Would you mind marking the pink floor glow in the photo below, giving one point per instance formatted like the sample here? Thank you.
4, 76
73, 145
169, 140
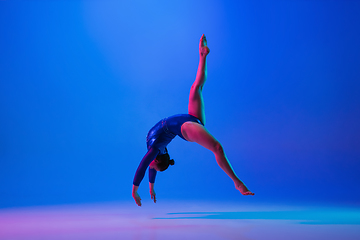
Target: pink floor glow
179, 220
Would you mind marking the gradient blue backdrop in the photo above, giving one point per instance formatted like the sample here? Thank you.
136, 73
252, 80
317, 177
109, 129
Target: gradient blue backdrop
82, 82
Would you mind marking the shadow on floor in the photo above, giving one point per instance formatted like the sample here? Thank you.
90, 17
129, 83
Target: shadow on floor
302, 217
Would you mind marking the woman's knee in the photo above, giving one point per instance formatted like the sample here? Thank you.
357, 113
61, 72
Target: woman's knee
195, 90
218, 148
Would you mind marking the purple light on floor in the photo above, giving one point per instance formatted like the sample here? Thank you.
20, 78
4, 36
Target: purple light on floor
178, 220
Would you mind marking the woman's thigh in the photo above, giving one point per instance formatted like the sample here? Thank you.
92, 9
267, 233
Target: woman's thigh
195, 132
196, 104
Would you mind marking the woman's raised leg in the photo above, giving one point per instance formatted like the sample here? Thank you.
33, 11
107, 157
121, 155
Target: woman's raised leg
194, 132
196, 102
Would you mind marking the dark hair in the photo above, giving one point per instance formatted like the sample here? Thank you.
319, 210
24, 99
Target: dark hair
163, 161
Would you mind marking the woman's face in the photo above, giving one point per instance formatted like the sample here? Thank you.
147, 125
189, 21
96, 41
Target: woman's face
153, 165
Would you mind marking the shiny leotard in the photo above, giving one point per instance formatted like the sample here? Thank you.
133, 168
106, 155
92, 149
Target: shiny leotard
157, 139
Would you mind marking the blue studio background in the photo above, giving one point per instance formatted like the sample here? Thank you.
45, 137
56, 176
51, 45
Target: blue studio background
82, 82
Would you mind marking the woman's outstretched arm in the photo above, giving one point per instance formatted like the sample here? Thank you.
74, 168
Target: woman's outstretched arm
152, 175
140, 172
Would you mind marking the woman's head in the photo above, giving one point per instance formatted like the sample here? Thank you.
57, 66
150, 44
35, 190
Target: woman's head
162, 162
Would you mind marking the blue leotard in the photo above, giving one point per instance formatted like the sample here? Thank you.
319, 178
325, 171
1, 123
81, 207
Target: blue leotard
157, 139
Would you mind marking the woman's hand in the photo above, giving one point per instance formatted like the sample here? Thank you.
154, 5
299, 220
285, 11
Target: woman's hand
136, 196
153, 195
152, 192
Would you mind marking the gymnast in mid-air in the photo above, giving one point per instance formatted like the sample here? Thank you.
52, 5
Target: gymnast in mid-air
190, 127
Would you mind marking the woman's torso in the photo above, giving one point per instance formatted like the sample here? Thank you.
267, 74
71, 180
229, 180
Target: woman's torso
167, 129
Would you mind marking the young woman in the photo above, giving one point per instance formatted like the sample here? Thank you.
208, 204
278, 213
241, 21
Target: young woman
190, 127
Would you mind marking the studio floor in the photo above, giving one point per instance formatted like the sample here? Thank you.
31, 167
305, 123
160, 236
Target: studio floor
179, 220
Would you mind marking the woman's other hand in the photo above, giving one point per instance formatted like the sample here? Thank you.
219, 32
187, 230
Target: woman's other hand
136, 196
152, 192
153, 195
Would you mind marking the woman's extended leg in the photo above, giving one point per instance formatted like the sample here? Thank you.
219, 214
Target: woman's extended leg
194, 132
196, 102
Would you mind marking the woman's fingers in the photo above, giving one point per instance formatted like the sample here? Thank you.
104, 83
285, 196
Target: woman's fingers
138, 201
153, 197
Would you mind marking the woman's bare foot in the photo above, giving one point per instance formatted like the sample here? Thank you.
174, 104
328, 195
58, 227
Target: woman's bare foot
203, 48
243, 189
